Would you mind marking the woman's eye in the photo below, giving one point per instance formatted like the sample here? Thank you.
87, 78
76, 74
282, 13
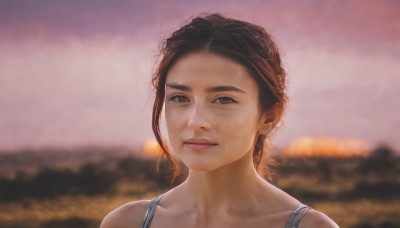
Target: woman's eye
225, 100
179, 99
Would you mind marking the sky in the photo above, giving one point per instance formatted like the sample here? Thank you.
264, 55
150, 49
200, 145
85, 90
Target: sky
76, 73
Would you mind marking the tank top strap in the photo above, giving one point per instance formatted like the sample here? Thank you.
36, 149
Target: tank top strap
297, 215
151, 209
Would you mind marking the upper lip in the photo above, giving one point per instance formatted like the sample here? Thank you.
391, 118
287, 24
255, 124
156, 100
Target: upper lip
199, 141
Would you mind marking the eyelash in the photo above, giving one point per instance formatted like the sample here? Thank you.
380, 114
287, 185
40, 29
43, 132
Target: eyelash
231, 100
172, 98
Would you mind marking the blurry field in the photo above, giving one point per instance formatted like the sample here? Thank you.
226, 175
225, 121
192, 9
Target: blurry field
66, 211
78, 189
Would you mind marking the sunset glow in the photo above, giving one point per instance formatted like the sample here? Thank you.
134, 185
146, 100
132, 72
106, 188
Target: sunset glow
326, 147
151, 149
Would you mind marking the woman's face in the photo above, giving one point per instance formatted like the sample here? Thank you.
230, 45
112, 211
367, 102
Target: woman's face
212, 110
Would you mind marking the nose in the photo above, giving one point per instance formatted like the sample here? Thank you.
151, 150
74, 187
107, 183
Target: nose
198, 118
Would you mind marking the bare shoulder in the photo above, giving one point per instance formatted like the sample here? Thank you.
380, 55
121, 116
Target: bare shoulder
317, 219
127, 215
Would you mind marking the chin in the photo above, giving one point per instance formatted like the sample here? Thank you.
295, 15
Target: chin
204, 166
202, 169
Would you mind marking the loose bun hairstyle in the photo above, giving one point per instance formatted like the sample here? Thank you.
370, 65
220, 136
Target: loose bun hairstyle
246, 43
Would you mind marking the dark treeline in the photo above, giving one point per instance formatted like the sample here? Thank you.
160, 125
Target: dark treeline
51, 183
90, 179
374, 177
379, 175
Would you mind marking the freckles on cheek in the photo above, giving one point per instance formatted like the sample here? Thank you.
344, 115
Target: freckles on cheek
240, 127
233, 128
172, 116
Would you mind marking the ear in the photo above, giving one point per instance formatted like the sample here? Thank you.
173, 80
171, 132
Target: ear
268, 120
265, 129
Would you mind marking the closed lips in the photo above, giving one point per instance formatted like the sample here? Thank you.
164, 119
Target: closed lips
200, 142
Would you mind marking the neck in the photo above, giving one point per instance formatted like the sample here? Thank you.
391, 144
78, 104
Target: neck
231, 188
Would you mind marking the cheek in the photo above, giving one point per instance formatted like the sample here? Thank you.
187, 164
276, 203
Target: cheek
173, 120
170, 120
240, 129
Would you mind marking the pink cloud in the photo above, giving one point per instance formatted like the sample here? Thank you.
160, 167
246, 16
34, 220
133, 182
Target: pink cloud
361, 25
74, 72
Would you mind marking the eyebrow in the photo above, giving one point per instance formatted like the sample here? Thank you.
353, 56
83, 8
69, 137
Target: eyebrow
211, 89
178, 86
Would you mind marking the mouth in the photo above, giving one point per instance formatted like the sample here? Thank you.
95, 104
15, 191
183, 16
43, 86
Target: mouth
199, 144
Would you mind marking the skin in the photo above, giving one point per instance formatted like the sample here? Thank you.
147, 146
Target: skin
223, 188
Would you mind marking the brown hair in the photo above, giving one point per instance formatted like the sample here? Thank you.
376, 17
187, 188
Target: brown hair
246, 43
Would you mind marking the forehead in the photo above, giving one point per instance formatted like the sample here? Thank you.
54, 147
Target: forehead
209, 69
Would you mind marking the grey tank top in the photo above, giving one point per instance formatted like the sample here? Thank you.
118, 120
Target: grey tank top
293, 221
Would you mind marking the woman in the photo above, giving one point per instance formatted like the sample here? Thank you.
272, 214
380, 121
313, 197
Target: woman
222, 85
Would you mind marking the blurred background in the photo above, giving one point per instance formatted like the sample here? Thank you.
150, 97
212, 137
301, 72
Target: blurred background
75, 105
